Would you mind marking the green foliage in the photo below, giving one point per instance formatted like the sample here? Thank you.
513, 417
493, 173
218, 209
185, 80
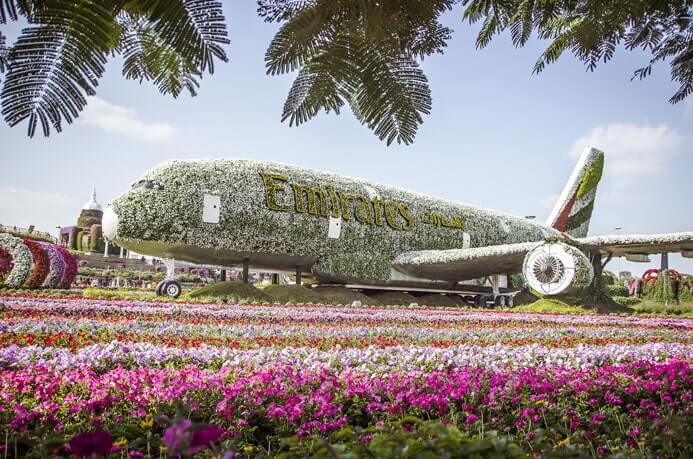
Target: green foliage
593, 29
231, 291
121, 294
608, 278
58, 59
651, 307
663, 290
686, 289
130, 274
616, 290
364, 54
341, 295
550, 306
296, 294
436, 299
627, 300
516, 281
394, 298
407, 438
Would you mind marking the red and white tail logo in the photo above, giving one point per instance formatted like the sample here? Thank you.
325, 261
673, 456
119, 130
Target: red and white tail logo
573, 210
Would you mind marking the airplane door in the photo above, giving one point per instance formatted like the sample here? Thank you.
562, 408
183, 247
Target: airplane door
211, 208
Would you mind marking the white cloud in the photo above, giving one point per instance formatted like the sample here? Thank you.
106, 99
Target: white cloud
21, 207
632, 150
121, 120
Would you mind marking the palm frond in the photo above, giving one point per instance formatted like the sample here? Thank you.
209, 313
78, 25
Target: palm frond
56, 63
280, 10
195, 29
363, 53
392, 96
309, 94
8, 11
3, 53
147, 57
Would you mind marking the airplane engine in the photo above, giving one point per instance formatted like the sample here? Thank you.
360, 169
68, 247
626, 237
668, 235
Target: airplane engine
555, 268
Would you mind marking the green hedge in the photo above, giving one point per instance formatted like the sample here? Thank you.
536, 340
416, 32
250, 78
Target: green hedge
616, 290
408, 438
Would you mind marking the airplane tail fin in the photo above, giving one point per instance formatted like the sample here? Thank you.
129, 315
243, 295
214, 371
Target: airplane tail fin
573, 210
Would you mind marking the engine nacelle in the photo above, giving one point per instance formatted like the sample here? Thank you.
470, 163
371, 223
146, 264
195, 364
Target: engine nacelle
555, 268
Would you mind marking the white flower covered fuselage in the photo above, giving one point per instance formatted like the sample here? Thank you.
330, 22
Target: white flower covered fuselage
279, 216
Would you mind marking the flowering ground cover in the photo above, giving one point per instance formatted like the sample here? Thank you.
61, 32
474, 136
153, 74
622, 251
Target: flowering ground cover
88, 377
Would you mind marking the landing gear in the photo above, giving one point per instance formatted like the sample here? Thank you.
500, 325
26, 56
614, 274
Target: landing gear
482, 300
494, 301
169, 286
160, 288
172, 288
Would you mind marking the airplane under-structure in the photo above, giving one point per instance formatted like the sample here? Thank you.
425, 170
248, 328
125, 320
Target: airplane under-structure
360, 234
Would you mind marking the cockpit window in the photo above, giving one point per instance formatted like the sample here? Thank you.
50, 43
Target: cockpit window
147, 185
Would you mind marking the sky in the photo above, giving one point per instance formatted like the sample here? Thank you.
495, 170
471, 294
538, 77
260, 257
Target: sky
498, 136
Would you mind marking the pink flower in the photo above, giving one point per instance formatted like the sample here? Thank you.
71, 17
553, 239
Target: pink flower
88, 444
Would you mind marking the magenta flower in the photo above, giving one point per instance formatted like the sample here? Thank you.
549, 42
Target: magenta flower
88, 444
176, 437
203, 437
181, 439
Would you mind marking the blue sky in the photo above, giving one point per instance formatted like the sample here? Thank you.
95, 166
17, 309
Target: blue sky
498, 136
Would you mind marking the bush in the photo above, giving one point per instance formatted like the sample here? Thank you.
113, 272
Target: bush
231, 291
436, 299
649, 307
627, 300
550, 306
663, 290
609, 278
294, 294
408, 438
120, 294
394, 298
342, 295
616, 290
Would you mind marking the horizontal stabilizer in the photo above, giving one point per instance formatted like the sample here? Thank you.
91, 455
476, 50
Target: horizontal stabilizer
629, 244
464, 264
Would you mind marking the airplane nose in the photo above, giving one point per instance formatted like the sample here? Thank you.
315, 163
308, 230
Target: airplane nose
109, 223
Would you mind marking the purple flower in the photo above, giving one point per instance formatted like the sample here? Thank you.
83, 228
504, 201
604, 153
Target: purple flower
177, 436
88, 444
181, 439
204, 436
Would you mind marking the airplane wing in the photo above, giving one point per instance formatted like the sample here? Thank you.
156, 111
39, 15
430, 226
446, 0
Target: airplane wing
464, 264
642, 244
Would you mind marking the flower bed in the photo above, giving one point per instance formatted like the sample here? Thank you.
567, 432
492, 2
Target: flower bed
21, 259
41, 265
143, 378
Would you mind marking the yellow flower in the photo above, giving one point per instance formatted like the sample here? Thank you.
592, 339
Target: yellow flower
147, 422
248, 449
565, 441
122, 441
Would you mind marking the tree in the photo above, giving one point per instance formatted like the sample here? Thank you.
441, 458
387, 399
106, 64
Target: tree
58, 60
361, 53
365, 53
593, 29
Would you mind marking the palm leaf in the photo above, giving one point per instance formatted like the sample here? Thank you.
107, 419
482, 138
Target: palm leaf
8, 11
56, 63
309, 94
147, 57
3, 53
392, 95
195, 29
